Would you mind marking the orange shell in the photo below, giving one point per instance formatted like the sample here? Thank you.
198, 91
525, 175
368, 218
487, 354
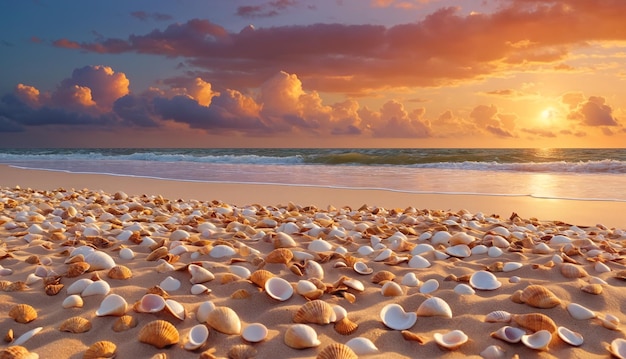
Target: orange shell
260, 276
159, 333
535, 322
124, 322
337, 351
569, 270
23, 313
76, 269
101, 349
345, 326
17, 352
539, 297
279, 255
75, 325
316, 311
120, 272
382, 275
242, 351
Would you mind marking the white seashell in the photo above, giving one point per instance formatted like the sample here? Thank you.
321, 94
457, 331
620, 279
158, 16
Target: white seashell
429, 286
494, 252
175, 308
179, 235
170, 284
560, 239
484, 280
99, 260
284, 240
278, 288
340, 312
198, 334
618, 348
538, 340
425, 236
254, 333
203, 311
99, 287
32, 279
542, 248
500, 242
509, 334
26, 336
383, 255
362, 268
197, 289
461, 238
459, 251
199, 274
601, 267
163, 266
440, 237
410, 280
610, 321
394, 317
241, 271
127, 253
569, 336
313, 269
288, 228
597, 280
362, 346
391, 289
451, 340
493, 352
320, 245
179, 249
557, 259
515, 279
511, 266
418, 261
480, 249
365, 250
434, 307
464, 289
440, 256
112, 304
221, 251
79, 286
305, 286
498, 316
73, 301
150, 303
354, 284
580, 312
300, 336
301, 256
422, 248
5, 271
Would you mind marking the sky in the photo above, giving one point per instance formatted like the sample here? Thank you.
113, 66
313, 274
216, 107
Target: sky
316, 73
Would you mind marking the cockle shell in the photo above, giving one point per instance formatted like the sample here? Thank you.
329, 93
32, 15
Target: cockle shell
534, 322
539, 296
391, 289
75, 325
569, 336
224, 320
124, 323
570, 270
316, 311
509, 334
280, 256
23, 313
345, 326
112, 304
394, 317
484, 280
451, 340
99, 287
336, 351
260, 276
17, 352
254, 333
197, 336
498, 316
159, 333
300, 336
199, 274
434, 307
242, 351
120, 272
580, 312
150, 303
362, 346
538, 340
278, 288
73, 301
101, 349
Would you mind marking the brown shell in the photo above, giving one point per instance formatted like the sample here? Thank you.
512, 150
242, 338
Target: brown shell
120, 272
34, 259
75, 325
535, 322
159, 333
124, 323
621, 275
208, 354
382, 275
17, 352
279, 255
8, 337
242, 351
101, 349
515, 297
260, 276
23, 313
569, 270
240, 294
157, 254
337, 351
345, 326
53, 289
410, 336
76, 269
592, 288
316, 311
539, 296
229, 278
158, 291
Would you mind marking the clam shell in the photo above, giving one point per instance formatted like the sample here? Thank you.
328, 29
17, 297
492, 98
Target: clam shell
538, 340
410, 280
101, 349
362, 346
17, 352
23, 313
73, 301
278, 288
569, 336
464, 289
451, 340
197, 336
202, 313
199, 289
99, 260
260, 276
75, 325
539, 296
120, 272
434, 307
300, 336
240, 271
493, 352
221, 251
305, 286
150, 303
362, 268
511, 266
254, 333
170, 284
345, 326
617, 348
498, 316
417, 261
580, 312
124, 323
316, 311
159, 333
313, 269
112, 304
224, 320
429, 286
280, 256
509, 334
79, 286
199, 274
570, 270
336, 351
127, 254
534, 322
391, 289
459, 251
484, 280
175, 308
99, 287
394, 317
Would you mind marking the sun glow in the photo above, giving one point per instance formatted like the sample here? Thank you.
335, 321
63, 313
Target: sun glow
548, 115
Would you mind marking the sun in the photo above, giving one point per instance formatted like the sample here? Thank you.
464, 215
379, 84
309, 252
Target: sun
548, 115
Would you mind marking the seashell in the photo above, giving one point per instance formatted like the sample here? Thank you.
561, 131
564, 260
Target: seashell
159, 333
32, 279
480, 249
570, 337
199, 289
175, 308
494, 252
592, 288
394, 317
316, 311
539, 296
610, 322
199, 274
365, 250
170, 284
8, 336
240, 294
580, 312
434, 307
254, 333
498, 316
429, 286
418, 261
78, 286
410, 280
440, 237
17, 352
53, 289
197, 336
158, 291
617, 348
279, 255
284, 240
150, 303
156, 254
538, 340
569, 270
410, 336
345, 326
340, 312
224, 320
484, 280
313, 269
391, 289
202, 313
464, 289
26, 336
352, 283
179, 235
493, 352
75, 325
362, 346
164, 266
336, 351
73, 301
459, 250
451, 340
23, 313
601, 267
99, 260
278, 288
301, 336
123, 323
509, 334
112, 304
511, 266
101, 349
383, 255
76, 269
495, 267
515, 279
362, 268
241, 272
382, 275
260, 276
305, 286
120, 272
541, 248
126, 254
221, 251
515, 297
534, 322
242, 351
99, 287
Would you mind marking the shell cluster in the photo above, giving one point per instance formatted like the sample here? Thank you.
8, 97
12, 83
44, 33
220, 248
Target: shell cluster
228, 280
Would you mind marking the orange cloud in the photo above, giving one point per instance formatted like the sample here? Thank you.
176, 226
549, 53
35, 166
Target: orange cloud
591, 112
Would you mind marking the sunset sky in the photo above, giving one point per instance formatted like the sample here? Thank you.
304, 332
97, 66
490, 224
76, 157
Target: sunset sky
327, 73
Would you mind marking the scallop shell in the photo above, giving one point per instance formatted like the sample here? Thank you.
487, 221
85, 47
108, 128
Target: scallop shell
569, 270
484, 280
112, 304
224, 320
451, 340
434, 307
345, 326
498, 316
242, 351
150, 303
17, 352
75, 325
101, 349
538, 340
76, 269
391, 289
23, 313
278, 288
123, 323
534, 322
337, 351
362, 346
617, 348
580, 312
197, 336
280, 256
254, 333
300, 336
241, 294
120, 272
159, 333
260, 276
316, 312
99, 287
394, 317
382, 276
509, 334
199, 274
569, 336
539, 296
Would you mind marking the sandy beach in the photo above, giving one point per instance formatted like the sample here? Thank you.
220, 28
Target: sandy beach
468, 251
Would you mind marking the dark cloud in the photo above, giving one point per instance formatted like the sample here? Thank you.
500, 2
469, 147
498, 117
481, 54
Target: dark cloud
592, 112
269, 9
143, 16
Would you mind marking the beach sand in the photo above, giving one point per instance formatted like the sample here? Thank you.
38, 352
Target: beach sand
37, 220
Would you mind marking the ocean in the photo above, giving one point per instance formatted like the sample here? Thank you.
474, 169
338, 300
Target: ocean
586, 174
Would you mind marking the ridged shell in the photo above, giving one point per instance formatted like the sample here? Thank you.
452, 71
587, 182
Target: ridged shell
242, 351
101, 349
241, 294
279, 255
17, 352
316, 311
382, 275
76, 269
300, 336
120, 272
434, 307
592, 288
498, 316
159, 333
23, 313
224, 320
569, 270
345, 326
53, 289
451, 340
260, 276
539, 296
75, 325
124, 323
535, 322
337, 351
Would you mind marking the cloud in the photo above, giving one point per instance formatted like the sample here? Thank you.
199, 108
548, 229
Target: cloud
540, 132
269, 9
143, 16
394, 121
488, 118
592, 112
